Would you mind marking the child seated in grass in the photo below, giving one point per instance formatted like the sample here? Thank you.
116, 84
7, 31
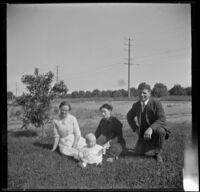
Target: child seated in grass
91, 153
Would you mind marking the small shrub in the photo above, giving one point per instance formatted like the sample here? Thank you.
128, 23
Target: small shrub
18, 114
36, 102
12, 113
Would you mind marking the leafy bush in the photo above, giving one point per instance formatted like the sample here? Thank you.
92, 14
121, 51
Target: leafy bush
177, 90
36, 102
188, 90
60, 88
10, 95
134, 92
159, 90
12, 113
55, 110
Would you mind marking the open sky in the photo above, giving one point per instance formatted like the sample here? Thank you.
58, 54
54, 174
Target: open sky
88, 44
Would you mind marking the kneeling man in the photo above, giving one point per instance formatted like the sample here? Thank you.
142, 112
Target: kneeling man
148, 120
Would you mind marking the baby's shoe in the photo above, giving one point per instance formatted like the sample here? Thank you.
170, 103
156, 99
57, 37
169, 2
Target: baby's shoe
110, 160
82, 164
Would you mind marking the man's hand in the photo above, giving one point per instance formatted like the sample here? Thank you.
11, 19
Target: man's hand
148, 133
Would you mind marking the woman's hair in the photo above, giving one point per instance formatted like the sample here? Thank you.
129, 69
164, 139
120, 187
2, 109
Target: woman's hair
107, 106
63, 103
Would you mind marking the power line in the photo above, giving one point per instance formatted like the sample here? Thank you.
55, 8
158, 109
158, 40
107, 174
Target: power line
168, 53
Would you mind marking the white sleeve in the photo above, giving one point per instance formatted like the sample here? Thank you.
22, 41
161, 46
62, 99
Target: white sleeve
76, 129
55, 131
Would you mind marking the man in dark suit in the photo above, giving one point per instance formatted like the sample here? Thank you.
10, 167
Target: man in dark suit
148, 120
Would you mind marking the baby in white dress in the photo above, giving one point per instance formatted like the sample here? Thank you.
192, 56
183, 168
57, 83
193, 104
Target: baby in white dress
91, 153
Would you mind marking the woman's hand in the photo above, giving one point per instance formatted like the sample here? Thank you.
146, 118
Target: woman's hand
52, 150
55, 145
106, 145
76, 140
77, 156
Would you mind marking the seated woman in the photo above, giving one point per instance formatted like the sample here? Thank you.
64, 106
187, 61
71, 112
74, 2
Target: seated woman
111, 128
67, 132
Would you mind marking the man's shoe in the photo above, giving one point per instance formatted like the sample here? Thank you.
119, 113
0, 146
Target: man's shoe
159, 158
136, 151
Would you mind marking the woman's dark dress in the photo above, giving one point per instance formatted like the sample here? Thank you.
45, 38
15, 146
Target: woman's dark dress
111, 129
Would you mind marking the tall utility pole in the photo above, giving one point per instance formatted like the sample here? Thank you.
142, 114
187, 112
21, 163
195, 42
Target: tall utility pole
129, 63
16, 89
56, 73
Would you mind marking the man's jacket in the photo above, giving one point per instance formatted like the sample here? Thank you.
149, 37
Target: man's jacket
154, 115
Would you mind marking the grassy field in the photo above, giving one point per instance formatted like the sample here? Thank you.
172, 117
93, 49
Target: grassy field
31, 165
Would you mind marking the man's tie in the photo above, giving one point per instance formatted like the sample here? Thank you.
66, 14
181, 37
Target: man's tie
143, 106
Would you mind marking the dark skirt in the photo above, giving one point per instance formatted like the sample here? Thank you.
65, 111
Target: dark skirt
115, 150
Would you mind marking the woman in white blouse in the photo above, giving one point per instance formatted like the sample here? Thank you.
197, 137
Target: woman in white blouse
67, 133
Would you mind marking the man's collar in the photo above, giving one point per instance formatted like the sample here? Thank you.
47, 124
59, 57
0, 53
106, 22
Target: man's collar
145, 103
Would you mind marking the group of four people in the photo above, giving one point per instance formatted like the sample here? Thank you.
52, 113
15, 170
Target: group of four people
146, 118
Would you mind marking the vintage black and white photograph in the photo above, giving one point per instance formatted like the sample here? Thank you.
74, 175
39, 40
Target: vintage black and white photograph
99, 96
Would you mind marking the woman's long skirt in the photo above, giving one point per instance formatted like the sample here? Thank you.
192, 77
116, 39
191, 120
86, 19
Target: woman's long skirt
65, 145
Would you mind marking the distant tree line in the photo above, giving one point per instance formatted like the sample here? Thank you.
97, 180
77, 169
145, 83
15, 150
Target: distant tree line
159, 90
